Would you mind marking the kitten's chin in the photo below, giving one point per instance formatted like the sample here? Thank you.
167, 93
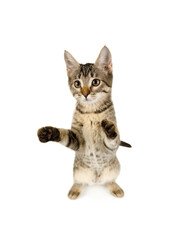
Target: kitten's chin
86, 102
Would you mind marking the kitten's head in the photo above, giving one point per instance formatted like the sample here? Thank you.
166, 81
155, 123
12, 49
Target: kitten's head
90, 83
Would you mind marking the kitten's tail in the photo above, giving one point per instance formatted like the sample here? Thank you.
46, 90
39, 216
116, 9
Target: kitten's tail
124, 144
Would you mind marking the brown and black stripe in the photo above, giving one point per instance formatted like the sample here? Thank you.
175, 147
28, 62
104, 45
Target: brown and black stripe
87, 69
73, 141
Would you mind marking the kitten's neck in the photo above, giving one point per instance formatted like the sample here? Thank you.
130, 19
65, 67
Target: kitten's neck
98, 107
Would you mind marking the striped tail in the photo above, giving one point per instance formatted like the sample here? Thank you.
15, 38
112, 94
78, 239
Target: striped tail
124, 144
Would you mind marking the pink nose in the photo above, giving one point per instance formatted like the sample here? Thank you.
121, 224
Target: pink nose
85, 91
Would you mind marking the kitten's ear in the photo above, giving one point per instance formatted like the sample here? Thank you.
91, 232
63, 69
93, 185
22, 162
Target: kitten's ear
104, 60
71, 63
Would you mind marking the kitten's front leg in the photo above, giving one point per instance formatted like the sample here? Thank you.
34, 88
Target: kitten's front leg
112, 137
66, 137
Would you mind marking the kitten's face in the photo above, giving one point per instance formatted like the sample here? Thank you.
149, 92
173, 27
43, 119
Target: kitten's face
90, 83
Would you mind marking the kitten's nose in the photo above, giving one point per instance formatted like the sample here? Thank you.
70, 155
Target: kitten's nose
85, 91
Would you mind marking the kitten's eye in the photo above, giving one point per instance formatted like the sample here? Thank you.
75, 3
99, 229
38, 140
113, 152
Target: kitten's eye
95, 82
77, 84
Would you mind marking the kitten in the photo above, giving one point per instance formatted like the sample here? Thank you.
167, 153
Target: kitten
94, 135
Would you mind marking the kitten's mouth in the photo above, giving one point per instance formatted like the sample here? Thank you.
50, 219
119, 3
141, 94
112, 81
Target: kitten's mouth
87, 100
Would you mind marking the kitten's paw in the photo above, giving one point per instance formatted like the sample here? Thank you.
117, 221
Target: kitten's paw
46, 134
109, 128
115, 189
73, 194
118, 192
75, 191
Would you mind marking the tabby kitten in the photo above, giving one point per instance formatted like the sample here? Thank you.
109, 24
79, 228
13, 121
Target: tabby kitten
94, 135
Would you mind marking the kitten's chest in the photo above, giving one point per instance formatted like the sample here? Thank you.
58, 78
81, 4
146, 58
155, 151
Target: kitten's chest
93, 136
92, 131
93, 154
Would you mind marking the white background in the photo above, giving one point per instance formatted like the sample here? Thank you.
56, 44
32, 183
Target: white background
143, 37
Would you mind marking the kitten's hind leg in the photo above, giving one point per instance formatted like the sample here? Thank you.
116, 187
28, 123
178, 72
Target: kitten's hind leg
115, 189
75, 191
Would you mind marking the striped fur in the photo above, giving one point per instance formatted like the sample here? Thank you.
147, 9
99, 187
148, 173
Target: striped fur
94, 135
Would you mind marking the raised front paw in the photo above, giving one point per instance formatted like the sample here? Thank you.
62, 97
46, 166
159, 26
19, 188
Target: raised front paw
109, 128
46, 134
